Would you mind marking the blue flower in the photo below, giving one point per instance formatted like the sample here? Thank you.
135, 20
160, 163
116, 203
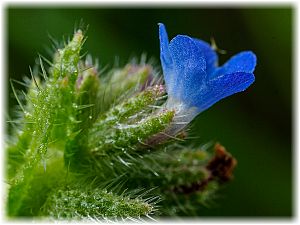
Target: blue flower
193, 80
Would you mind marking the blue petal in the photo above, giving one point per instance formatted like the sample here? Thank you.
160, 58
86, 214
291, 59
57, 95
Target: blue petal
165, 57
189, 67
242, 62
222, 87
210, 55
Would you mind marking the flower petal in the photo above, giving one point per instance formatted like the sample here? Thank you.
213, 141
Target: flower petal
210, 55
189, 67
242, 62
222, 87
165, 57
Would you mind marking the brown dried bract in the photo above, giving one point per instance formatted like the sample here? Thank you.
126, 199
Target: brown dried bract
222, 164
220, 167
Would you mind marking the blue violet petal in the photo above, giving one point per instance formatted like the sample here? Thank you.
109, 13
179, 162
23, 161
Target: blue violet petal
193, 80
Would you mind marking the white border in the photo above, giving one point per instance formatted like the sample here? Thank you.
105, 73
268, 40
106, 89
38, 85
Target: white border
160, 3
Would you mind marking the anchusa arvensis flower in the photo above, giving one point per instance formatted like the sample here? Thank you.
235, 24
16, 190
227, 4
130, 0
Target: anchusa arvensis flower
193, 80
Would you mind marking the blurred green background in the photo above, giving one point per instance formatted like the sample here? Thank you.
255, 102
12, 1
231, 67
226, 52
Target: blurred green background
255, 126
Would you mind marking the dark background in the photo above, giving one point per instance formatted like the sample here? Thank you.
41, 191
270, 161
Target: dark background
255, 126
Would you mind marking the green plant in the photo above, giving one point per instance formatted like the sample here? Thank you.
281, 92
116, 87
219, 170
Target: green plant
100, 145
